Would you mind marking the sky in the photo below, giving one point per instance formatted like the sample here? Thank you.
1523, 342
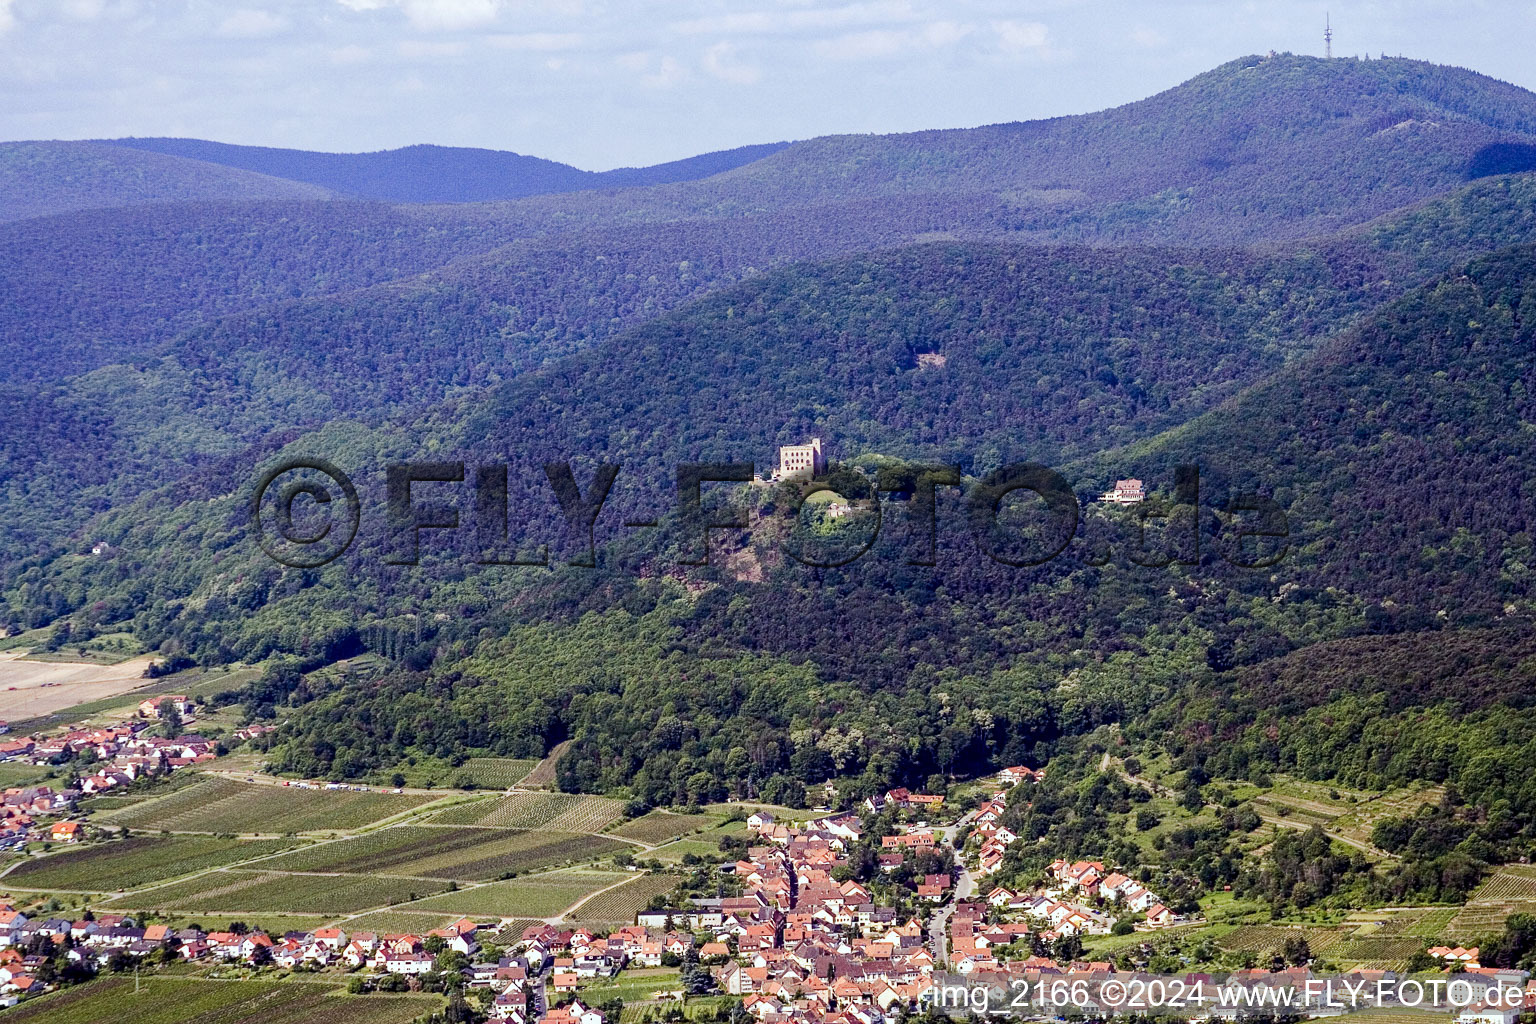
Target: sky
611, 83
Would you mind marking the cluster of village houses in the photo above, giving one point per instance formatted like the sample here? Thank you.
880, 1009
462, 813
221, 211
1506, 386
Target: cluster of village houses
120, 755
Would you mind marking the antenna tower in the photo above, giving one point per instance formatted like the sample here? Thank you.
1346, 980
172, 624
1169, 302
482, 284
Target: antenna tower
1327, 37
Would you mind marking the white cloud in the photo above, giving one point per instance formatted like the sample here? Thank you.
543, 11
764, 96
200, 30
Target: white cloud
250, 24
82, 10
719, 61
782, 21
7, 19
435, 15
1021, 36
658, 73
877, 43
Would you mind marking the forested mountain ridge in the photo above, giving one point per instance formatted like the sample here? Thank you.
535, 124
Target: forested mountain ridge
1257, 149
624, 402
41, 178
220, 388
1261, 147
1402, 448
442, 174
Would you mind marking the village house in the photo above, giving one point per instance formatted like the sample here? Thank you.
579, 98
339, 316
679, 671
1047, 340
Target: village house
150, 707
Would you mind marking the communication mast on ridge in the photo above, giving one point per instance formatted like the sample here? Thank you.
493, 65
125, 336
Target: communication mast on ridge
1327, 37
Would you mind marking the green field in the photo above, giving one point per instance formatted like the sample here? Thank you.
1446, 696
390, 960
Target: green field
232, 892
674, 852
187, 1000
565, 812
463, 854
537, 896
224, 805
633, 985
619, 906
662, 826
18, 774
394, 922
131, 863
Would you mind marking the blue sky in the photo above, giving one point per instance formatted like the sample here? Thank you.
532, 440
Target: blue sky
605, 83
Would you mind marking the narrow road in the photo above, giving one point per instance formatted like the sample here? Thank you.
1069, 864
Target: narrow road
965, 886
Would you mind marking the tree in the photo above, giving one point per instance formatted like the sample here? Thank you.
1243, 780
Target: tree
1296, 951
170, 719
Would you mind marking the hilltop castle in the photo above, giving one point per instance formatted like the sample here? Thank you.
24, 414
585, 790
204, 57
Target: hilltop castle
801, 461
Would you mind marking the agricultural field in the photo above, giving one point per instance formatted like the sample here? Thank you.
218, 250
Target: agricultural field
390, 922
561, 812
634, 985
512, 930
1435, 924
674, 852
232, 891
138, 861
537, 896
462, 854
619, 906
185, 1000
224, 805
1267, 940
273, 923
495, 772
660, 827
19, 774
1512, 883
1389, 952
1511, 889
31, 689
1343, 944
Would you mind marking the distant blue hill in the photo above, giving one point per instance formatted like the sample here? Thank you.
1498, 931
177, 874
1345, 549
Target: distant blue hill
443, 174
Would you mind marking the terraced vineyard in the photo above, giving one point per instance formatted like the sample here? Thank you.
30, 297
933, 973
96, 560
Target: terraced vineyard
556, 811
1267, 940
1435, 923
234, 891
1416, 922
1511, 889
496, 772
660, 827
1511, 883
1387, 952
224, 805
135, 862
538, 896
462, 854
619, 906
158, 1000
